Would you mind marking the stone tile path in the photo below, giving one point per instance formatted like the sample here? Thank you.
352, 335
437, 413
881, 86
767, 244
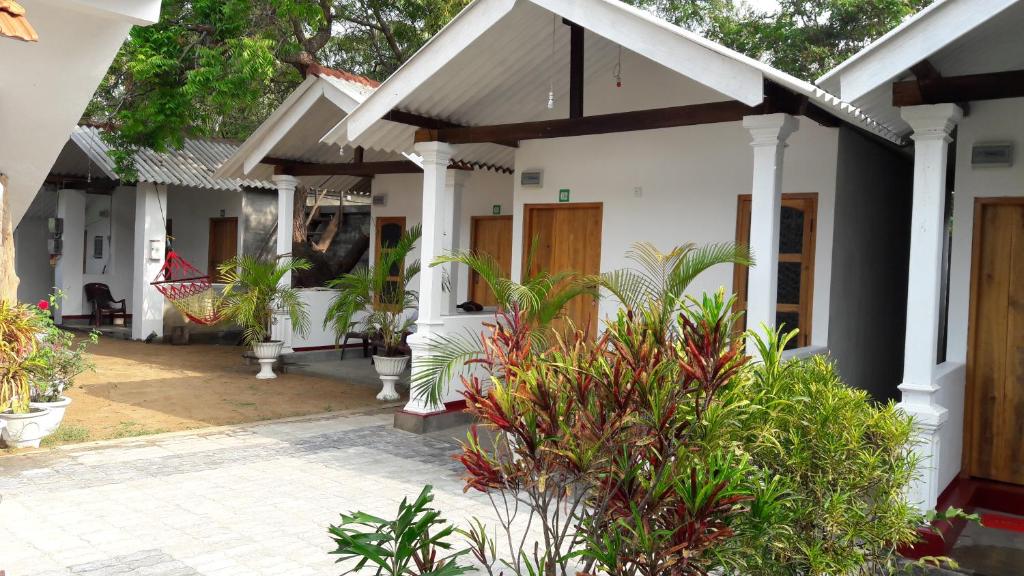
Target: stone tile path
252, 500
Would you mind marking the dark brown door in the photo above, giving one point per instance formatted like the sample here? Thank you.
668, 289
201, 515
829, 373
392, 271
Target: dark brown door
995, 365
490, 235
568, 238
223, 243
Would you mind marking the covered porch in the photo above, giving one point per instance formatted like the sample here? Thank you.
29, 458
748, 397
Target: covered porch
622, 128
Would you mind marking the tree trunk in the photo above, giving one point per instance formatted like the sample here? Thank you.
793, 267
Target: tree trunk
8, 275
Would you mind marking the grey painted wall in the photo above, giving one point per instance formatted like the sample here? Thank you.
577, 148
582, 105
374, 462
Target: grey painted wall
870, 254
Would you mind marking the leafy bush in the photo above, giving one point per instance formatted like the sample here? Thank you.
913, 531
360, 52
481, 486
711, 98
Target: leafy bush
254, 290
598, 439
840, 463
59, 359
404, 546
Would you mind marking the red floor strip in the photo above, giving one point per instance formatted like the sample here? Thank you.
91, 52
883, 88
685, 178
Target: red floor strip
1000, 522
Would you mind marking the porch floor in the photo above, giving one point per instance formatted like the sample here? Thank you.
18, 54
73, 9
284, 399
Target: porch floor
988, 550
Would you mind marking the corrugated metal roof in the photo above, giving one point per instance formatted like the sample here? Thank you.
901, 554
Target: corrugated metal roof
504, 74
194, 165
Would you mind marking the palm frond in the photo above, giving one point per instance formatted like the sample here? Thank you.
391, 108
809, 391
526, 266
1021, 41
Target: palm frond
449, 353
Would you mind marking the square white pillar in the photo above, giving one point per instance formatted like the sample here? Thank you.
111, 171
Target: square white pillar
438, 192
68, 273
282, 328
769, 133
150, 241
932, 126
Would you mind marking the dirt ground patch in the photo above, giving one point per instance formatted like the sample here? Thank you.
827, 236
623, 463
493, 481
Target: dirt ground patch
140, 388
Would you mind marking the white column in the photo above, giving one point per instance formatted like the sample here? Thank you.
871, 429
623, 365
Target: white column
282, 327
455, 182
932, 126
68, 273
150, 240
437, 195
769, 133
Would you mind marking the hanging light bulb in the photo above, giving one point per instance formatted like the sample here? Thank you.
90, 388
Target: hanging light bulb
617, 71
551, 83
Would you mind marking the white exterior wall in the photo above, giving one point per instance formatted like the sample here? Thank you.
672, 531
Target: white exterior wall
988, 121
689, 180
190, 210
120, 255
32, 259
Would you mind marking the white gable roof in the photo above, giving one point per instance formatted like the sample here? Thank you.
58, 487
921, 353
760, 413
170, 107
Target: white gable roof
957, 37
493, 40
46, 85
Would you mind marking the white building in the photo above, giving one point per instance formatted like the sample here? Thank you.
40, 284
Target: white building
952, 78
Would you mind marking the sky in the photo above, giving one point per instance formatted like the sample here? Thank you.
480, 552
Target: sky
766, 5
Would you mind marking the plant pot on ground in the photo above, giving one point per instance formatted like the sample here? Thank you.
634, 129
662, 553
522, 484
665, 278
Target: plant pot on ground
254, 295
377, 301
23, 426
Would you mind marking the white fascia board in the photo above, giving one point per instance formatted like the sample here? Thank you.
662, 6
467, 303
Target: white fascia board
458, 34
665, 44
233, 168
340, 98
137, 12
292, 115
892, 55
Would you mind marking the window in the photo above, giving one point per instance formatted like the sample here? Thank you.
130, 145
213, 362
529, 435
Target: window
797, 225
389, 232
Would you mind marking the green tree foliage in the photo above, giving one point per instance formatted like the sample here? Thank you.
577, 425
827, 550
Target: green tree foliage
219, 67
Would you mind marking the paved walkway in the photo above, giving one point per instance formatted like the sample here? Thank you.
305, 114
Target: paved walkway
253, 499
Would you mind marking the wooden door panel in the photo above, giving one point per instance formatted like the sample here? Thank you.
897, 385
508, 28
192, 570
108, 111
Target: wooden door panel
223, 244
568, 238
996, 370
490, 235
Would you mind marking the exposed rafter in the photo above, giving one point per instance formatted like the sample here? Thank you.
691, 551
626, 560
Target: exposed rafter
369, 169
935, 89
419, 121
576, 69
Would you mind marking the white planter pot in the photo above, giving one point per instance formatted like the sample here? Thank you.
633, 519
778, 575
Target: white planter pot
266, 354
56, 412
23, 430
389, 368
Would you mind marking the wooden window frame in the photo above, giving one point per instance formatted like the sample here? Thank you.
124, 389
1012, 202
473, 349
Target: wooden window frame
378, 223
808, 202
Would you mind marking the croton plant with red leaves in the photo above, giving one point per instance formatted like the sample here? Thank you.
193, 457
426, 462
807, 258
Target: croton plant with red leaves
599, 443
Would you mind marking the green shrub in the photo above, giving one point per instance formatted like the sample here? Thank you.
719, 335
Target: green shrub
839, 463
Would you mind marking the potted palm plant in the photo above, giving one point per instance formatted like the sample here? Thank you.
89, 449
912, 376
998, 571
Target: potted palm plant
376, 301
23, 425
253, 294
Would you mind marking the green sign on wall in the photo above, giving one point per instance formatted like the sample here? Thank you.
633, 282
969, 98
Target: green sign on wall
563, 195
496, 209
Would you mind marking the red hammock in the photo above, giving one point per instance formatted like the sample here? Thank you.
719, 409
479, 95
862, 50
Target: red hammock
188, 289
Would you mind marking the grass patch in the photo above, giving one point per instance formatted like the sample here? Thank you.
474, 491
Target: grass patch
66, 434
131, 429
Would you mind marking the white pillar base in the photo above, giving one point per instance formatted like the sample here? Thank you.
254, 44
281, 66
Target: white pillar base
420, 344
928, 422
281, 330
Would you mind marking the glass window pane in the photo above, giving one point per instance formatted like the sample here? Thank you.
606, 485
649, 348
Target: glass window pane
789, 283
791, 231
389, 234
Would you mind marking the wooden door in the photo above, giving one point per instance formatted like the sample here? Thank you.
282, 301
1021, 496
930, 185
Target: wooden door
490, 235
567, 238
223, 244
995, 365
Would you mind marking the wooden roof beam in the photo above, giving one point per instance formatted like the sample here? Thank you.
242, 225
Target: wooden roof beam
957, 89
419, 121
360, 169
711, 113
